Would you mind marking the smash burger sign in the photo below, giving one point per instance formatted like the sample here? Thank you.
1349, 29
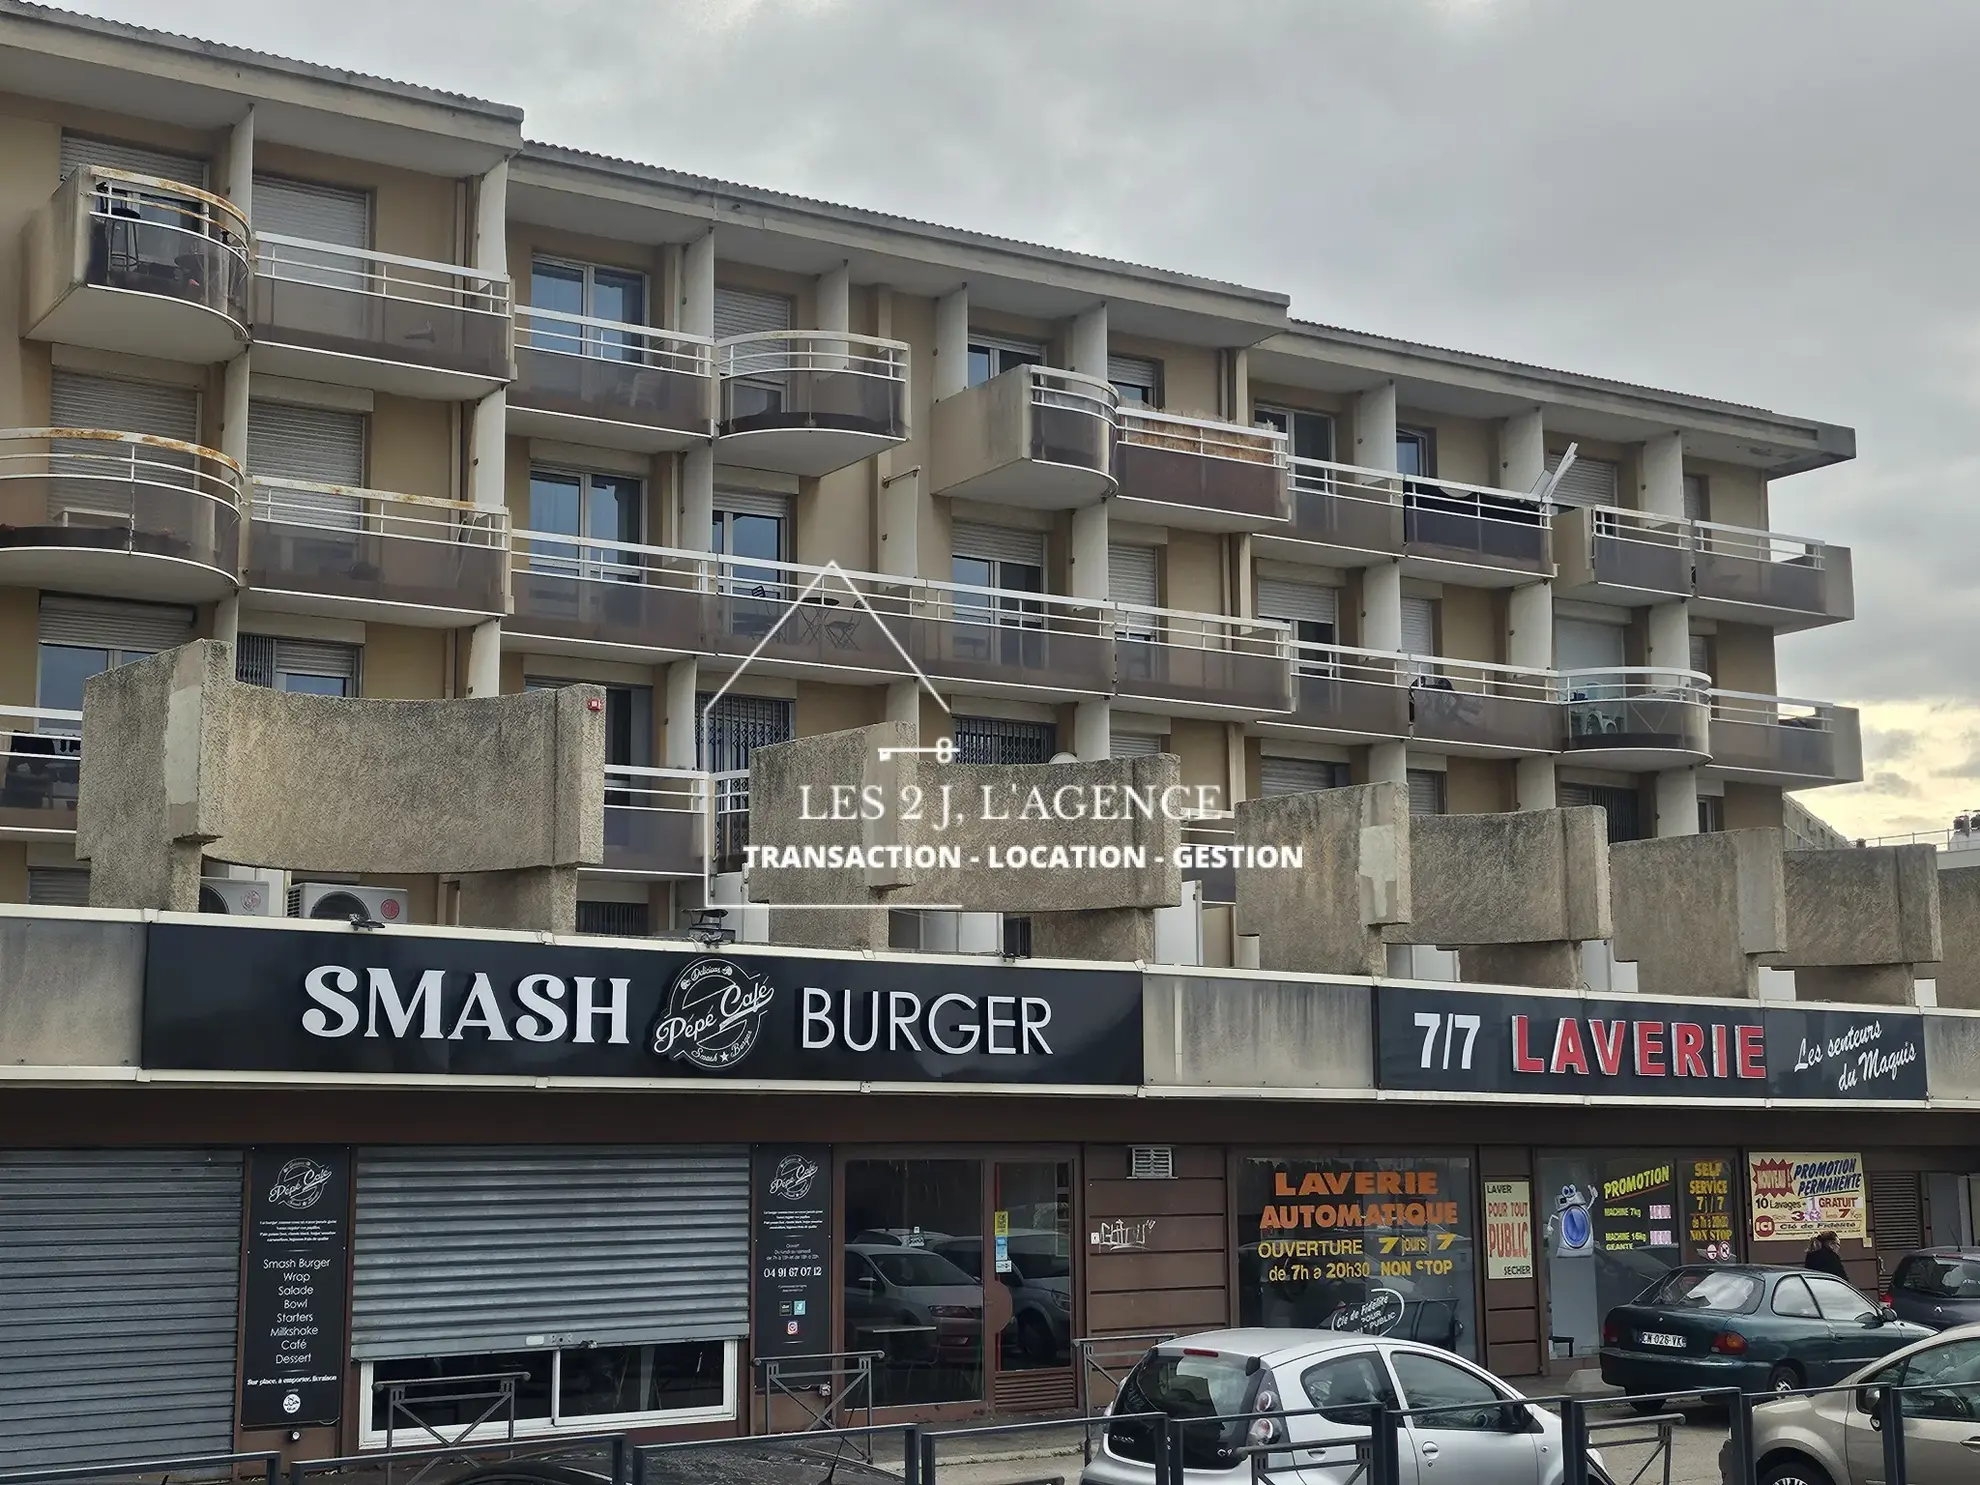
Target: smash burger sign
287, 1000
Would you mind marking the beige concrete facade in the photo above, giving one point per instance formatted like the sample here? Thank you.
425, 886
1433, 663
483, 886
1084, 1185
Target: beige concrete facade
1240, 676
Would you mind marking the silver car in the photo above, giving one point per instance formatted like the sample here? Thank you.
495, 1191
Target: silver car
1492, 1436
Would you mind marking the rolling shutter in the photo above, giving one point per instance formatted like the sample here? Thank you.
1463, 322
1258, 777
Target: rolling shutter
305, 443
58, 886
998, 544
119, 1304
1584, 644
293, 208
1589, 482
1419, 626
1277, 776
79, 401
1897, 1211
1701, 654
740, 312
1137, 371
459, 1252
1130, 576
1295, 601
102, 625
1426, 792
78, 149
753, 503
262, 660
1134, 745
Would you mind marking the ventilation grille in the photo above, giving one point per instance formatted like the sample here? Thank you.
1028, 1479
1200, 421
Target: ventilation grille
1897, 1214
1151, 1163
613, 919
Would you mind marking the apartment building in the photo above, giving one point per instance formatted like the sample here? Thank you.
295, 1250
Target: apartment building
350, 373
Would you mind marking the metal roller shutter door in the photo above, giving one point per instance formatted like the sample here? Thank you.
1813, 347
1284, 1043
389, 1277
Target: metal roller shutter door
102, 625
119, 1278
753, 503
1419, 626
998, 544
1134, 745
1588, 482
1277, 776
739, 312
321, 444
1426, 791
78, 149
460, 1252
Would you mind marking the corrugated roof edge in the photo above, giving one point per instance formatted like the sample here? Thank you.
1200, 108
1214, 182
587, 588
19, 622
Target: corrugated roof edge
1832, 438
681, 180
242, 56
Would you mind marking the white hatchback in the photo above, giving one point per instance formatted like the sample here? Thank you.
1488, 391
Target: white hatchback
1321, 1384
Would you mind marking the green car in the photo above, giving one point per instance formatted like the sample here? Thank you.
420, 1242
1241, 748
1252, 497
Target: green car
1749, 1326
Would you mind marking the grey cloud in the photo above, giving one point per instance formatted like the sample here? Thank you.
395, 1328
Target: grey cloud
1885, 782
1747, 200
1887, 745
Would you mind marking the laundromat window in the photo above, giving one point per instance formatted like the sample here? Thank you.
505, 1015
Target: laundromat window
1380, 1244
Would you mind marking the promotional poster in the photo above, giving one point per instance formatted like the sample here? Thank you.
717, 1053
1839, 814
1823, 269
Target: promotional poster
1798, 1196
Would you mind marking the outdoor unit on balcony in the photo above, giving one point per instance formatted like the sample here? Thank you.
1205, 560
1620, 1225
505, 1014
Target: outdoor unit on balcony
345, 904
242, 897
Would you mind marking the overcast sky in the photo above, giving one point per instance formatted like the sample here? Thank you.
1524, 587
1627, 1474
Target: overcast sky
1768, 201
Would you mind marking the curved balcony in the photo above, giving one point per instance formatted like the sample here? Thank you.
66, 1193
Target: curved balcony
1763, 577
140, 265
43, 752
1636, 719
1032, 436
346, 552
1611, 555
367, 319
120, 515
808, 402
1201, 474
1203, 664
1785, 741
602, 382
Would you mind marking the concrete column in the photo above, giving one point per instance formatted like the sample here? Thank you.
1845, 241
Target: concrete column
1522, 451
484, 667
240, 165
239, 189
683, 681
951, 374
1662, 491
1670, 636
487, 490
1240, 411
1388, 763
1086, 347
1677, 802
491, 220
1381, 606
697, 524
1530, 642
1093, 730
834, 295
904, 704
1381, 585
697, 308
1088, 575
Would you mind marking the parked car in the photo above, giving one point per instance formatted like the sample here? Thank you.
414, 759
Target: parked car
1939, 1287
1748, 1326
1492, 1435
1834, 1439
1040, 1282
909, 1303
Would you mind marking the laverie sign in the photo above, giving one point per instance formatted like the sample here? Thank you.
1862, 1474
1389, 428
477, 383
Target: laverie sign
294, 1000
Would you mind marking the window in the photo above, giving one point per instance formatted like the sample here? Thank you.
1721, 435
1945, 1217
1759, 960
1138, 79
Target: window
1426, 791
1719, 1290
1415, 452
725, 734
82, 637
744, 312
1006, 559
1309, 435
1419, 626
578, 1388
601, 507
1277, 776
1955, 1366
1711, 814
1623, 807
913, 1305
1137, 380
750, 528
1588, 482
1431, 1382
628, 721
1839, 1302
1791, 1298
595, 293
58, 886
1310, 609
1345, 1389
990, 356
312, 667
996, 740
1940, 1278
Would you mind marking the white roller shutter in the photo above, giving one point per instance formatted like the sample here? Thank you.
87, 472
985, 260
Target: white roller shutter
1134, 745
305, 443
1701, 654
329, 214
743, 312
1426, 792
57, 886
103, 625
79, 149
1583, 644
753, 503
1277, 776
998, 543
118, 1304
262, 660
1137, 371
1131, 576
1296, 601
1589, 482
80, 401
1419, 626
467, 1251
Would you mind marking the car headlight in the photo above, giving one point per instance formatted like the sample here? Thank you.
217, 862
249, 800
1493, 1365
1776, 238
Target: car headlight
1063, 1301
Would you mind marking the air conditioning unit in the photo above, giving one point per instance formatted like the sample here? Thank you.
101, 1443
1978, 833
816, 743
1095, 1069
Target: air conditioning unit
243, 897
341, 904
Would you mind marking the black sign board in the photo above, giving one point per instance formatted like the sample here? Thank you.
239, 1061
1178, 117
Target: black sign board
297, 1263
223, 998
791, 1200
1479, 1041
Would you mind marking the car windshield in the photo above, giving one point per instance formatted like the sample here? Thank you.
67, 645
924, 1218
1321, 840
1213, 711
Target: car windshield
1944, 1278
1185, 1385
1718, 1289
910, 1268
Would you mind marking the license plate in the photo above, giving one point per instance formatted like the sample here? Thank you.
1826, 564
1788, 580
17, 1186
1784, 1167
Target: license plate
1661, 1341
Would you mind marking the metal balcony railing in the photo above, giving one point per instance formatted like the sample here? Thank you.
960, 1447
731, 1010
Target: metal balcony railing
376, 547
1785, 738
78, 490
348, 301
43, 752
1477, 704
147, 235
1203, 659
1361, 510
1631, 708
776, 380
577, 366
1630, 549
655, 820
1768, 569
1072, 417
1225, 475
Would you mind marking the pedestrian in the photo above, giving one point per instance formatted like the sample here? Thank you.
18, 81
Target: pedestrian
1825, 1257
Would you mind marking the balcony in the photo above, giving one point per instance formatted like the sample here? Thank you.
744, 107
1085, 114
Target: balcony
1356, 695
808, 402
615, 385
1203, 664
139, 265
367, 319
1611, 555
1761, 577
1495, 537
1341, 515
367, 554
118, 515
1468, 706
1637, 719
1208, 476
1780, 740
44, 762
654, 821
1032, 436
